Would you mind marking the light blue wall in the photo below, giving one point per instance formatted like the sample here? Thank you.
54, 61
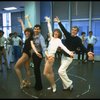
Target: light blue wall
32, 8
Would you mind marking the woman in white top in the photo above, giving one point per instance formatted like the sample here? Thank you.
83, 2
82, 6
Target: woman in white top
54, 43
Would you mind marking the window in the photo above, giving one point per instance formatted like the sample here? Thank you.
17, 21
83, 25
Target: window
6, 24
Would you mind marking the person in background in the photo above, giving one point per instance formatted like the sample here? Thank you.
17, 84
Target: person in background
79, 52
9, 49
91, 41
16, 46
3, 41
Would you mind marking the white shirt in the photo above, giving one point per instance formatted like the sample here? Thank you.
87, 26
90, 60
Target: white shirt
54, 44
2, 41
91, 40
16, 41
83, 41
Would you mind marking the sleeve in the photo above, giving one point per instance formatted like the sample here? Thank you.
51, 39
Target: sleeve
95, 39
31, 38
64, 48
19, 38
43, 45
49, 29
66, 33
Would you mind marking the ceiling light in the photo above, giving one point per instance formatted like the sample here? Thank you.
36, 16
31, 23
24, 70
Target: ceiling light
10, 8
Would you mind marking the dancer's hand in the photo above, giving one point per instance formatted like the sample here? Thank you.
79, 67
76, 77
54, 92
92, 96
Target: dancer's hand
56, 19
20, 20
26, 16
50, 58
90, 55
72, 54
47, 19
39, 55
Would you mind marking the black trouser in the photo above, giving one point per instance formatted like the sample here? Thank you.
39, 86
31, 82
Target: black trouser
37, 71
90, 47
79, 54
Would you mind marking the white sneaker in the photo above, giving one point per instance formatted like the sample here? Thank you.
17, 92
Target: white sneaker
54, 88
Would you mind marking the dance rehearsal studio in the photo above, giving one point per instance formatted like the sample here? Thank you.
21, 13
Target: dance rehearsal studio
49, 49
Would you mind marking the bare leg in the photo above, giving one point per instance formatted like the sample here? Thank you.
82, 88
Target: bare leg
48, 72
28, 72
19, 64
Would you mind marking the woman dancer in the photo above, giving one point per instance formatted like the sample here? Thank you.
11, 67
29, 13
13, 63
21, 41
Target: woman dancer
25, 58
54, 43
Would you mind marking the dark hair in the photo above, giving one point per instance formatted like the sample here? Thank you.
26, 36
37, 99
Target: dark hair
1, 31
90, 32
37, 25
15, 33
29, 30
60, 33
83, 33
10, 34
76, 28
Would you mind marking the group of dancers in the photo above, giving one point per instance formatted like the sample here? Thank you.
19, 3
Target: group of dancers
35, 49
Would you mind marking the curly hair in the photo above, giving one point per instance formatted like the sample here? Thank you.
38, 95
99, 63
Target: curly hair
60, 33
29, 30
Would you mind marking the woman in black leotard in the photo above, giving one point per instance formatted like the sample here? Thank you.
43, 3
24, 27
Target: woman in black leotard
25, 58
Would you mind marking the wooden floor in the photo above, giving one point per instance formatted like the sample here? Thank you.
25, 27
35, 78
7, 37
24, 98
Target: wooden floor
86, 81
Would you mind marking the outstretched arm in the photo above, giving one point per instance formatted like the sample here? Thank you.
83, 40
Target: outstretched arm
66, 49
22, 24
49, 26
28, 20
66, 33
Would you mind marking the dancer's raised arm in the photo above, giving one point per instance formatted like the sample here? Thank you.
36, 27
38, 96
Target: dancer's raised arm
28, 20
22, 24
49, 26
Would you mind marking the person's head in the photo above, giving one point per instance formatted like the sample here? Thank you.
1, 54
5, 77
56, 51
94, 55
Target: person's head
57, 33
10, 34
1, 33
28, 32
15, 34
90, 33
83, 34
74, 30
37, 29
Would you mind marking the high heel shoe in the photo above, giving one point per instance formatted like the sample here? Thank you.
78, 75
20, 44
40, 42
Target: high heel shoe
28, 83
53, 88
23, 84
